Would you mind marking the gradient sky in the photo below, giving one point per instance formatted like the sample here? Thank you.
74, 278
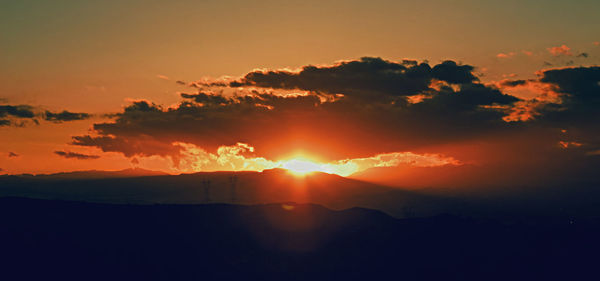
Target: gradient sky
96, 57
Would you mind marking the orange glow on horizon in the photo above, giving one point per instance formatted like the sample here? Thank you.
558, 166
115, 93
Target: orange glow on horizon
301, 167
232, 158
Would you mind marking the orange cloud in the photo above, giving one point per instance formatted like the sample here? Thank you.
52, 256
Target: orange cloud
236, 158
505, 56
561, 50
567, 144
536, 95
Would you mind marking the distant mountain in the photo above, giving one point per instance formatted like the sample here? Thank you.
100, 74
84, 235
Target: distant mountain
332, 191
59, 240
488, 191
269, 186
411, 177
95, 174
472, 177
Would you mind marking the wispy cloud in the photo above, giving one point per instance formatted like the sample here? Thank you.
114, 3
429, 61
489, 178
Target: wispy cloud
505, 55
234, 158
563, 50
75, 155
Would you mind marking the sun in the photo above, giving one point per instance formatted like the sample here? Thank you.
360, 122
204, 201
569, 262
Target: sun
301, 166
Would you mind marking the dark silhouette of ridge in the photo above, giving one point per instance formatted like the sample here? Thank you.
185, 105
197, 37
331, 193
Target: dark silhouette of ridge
98, 174
269, 186
333, 191
62, 240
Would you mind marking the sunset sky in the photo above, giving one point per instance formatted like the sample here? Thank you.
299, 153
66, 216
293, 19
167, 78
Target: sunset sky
501, 89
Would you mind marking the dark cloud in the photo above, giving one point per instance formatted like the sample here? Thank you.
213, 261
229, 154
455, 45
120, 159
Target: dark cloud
130, 145
206, 98
64, 116
8, 112
583, 55
74, 155
513, 83
576, 107
455, 107
19, 111
386, 106
366, 78
579, 109
12, 154
580, 83
20, 115
451, 72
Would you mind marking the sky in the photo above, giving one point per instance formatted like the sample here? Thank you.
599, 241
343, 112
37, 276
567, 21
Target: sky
184, 86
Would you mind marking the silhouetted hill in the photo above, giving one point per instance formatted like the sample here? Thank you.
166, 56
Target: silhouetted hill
408, 176
95, 174
270, 186
471, 177
58, 240
333, 191
489, 192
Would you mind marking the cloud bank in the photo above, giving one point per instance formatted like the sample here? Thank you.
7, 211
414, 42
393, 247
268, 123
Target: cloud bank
359, 109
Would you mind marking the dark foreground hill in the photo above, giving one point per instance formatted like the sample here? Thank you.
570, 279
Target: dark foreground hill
59, 240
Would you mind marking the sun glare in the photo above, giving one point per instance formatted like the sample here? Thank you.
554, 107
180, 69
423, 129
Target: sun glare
301, 167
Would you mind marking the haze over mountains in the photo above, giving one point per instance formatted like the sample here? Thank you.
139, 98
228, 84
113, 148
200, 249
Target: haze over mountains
269, 186
137, 186
97, 174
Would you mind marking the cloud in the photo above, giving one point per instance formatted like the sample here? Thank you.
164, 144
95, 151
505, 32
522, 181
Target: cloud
365, 78
270, 120
75, 155
236, 158
568, 99
64, 116
8, 112
350, 166
20, 111
560, 51
129, 146
583, 55
505, 55
12, 154
527, 53
370, 101
567, 144
359, 109
20, 115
